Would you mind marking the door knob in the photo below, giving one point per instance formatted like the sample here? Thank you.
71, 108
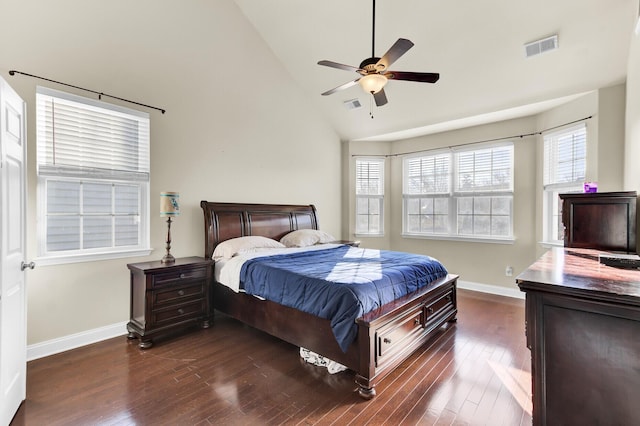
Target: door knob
29, 265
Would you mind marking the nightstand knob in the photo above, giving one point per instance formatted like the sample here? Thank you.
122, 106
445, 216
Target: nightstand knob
180, 311
181, 293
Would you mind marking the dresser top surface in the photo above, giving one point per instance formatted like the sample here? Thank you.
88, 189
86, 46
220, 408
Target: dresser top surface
579, 271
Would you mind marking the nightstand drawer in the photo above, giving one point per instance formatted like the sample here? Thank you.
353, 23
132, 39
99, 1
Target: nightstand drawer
177, 277
178, 295
177, 313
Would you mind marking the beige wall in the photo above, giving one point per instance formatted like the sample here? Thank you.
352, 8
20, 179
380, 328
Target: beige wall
632, 118
485, 263
237, 128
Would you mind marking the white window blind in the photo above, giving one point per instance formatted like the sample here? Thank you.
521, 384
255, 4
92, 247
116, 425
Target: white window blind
565, 156
466, 192
369, 196
93, 177
565, 169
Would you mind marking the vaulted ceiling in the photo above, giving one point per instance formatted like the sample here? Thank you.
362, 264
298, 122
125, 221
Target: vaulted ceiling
476, 46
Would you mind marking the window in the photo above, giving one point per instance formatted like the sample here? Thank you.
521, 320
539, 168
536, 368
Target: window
93, 179
369, 196
565, 162
461, 193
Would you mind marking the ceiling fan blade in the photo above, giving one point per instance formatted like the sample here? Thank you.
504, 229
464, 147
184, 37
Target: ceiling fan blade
398, 49
339, 66
422, 77
380, 98
341, 87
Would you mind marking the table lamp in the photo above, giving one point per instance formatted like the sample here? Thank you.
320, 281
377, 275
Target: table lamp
169, 207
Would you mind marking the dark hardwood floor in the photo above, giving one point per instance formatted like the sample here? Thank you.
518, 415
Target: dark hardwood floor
476, 372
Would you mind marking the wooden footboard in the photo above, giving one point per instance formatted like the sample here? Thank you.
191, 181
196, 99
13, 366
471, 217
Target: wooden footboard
386, 336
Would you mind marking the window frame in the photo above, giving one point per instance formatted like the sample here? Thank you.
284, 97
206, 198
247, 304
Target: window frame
455, 195
47, 173
551, 187
378, 198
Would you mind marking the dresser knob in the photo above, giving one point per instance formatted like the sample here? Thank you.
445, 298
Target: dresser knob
181, 276
416, 321
180, 311
181, 293
430, 310
386, 340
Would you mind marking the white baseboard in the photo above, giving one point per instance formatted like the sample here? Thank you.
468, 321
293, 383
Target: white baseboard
72, 341
54, 346
492, 289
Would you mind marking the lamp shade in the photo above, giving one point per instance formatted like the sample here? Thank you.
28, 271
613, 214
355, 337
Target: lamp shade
169, 204
373, 83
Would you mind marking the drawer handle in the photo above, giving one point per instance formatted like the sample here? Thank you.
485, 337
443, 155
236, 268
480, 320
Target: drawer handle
430, 310
386, 340
181, 276
181, 293
449, 298
180, 311
416, 321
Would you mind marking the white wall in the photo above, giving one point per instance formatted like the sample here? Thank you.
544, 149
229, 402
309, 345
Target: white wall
237, 128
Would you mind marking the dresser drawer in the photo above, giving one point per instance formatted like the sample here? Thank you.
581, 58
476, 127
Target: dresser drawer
177, 277
177, 295
176, 313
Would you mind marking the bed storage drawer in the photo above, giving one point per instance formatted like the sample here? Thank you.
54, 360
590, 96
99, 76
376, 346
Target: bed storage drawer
410, 328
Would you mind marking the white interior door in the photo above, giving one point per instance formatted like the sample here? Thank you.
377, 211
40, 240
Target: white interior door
13, 319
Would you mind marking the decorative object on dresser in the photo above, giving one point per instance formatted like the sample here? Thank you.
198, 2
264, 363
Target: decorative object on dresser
169, 207
168, 297
582, 327
384, 337
600, 220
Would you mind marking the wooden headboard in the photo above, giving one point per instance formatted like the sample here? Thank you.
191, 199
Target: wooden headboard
223, 221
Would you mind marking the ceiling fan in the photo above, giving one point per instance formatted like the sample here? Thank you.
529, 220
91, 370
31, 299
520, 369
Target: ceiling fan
374, 73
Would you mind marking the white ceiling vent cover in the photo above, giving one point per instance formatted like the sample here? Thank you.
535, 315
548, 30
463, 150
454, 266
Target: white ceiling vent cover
352, 104
541, 46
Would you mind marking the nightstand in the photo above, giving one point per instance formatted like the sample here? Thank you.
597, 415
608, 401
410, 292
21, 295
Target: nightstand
168, 297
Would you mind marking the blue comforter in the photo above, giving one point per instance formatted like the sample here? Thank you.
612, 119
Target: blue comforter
340, 283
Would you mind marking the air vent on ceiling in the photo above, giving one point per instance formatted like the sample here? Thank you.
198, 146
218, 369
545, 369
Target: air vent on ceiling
352, 104
541, 46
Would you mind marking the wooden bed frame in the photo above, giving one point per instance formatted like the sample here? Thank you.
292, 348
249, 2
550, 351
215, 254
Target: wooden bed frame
386, 336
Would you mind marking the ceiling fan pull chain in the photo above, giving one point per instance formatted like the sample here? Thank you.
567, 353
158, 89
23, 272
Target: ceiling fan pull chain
371, 107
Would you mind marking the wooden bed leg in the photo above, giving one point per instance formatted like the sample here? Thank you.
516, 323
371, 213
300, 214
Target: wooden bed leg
366, 393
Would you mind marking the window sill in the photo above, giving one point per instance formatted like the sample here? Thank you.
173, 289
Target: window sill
462, 239
551, 244
93, 257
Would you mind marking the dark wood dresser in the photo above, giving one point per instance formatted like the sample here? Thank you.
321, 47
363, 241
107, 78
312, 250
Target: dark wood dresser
600, 220
166, 297
583, 330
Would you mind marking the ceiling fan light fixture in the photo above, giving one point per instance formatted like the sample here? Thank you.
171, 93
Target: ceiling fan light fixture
373, 83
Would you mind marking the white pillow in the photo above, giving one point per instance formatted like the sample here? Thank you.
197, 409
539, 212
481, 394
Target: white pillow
306, 237
229, 248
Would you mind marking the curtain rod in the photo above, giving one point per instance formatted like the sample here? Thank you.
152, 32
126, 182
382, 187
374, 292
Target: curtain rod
100, 94
540, 132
